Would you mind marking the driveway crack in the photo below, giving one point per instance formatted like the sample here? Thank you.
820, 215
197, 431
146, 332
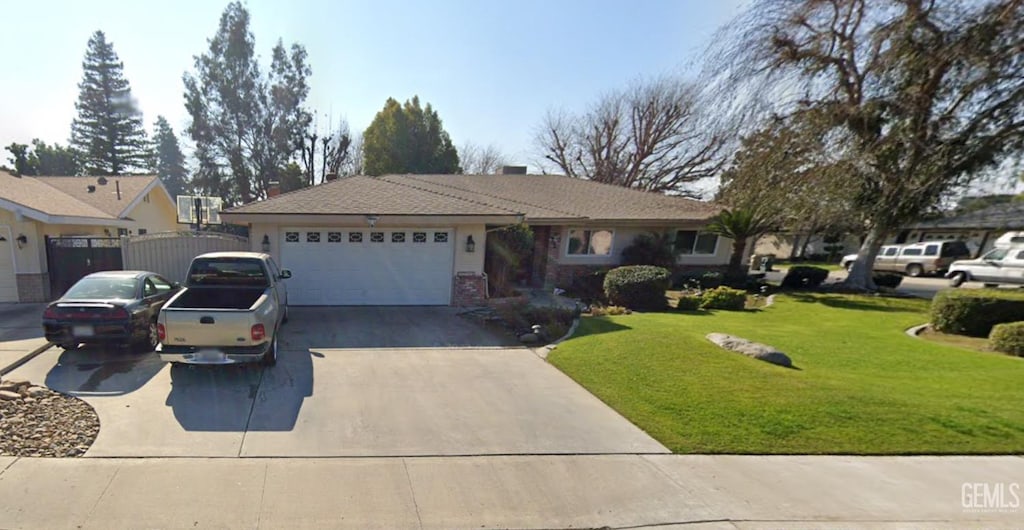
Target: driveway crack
412, 492
252, 407
263, 494
102, 494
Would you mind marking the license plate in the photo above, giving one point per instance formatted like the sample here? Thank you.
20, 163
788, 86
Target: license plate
82, 331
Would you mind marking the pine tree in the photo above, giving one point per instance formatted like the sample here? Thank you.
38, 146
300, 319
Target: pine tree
168, 161
408, 139
107, 133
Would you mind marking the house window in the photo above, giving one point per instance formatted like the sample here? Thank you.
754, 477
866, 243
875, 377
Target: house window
590, 242
696, 243
143, 231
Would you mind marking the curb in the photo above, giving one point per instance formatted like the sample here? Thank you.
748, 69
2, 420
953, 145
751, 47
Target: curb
13, 366
916, 330
545, 350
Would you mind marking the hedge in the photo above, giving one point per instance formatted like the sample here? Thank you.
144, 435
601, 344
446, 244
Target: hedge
804, 277
1008, 338
640, 287
975, 312
724, 298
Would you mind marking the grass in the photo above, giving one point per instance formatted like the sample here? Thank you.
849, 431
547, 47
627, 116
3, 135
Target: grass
962, 341
861, 385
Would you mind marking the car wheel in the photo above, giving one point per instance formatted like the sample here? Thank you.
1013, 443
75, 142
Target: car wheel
270, 358
152, 337
957, 279
914, 270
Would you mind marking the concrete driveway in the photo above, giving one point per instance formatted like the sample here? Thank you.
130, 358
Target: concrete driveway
21, 330
349, 382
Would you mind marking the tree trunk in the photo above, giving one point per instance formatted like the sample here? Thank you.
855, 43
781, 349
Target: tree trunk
739, 246
794, 250
860, 276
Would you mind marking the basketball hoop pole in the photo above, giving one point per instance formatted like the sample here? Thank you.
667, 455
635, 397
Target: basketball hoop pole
199, 213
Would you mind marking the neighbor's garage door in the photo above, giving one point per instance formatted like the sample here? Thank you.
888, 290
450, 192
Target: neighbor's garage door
338, 266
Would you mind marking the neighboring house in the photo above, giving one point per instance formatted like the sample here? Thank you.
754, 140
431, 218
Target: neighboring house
787, 245
34, 208
421, 239
979, 229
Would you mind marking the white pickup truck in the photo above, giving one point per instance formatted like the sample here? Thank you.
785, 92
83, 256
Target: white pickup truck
230, 311
1004, 264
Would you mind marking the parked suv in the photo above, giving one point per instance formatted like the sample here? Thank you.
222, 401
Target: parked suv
915, 259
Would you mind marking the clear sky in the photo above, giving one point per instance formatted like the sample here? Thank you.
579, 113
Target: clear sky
490, 68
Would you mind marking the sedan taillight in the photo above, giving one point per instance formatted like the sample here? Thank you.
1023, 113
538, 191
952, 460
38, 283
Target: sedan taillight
51, 312
161, 332
258, 332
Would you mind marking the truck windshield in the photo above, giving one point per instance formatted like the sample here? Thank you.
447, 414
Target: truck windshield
228, 271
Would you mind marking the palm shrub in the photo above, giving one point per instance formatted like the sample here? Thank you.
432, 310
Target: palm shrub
739, 224
640, 287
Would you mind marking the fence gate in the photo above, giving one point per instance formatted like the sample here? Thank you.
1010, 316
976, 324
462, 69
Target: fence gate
170, 253
68, 259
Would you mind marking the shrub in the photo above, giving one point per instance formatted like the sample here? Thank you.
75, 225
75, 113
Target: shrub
974, 312
589, 287
887, 279
1008, 338
698, 279
611, 310
650, 249
804, 277
508, 250
724, 298
689, 302
639, 287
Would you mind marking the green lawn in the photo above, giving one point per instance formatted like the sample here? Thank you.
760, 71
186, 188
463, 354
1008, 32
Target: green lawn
862, 386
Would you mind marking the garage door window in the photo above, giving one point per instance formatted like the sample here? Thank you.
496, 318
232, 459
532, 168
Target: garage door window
312, 237
440, 237
355, 237
419, 237
291, 237
376, 237
398, 237
334, 237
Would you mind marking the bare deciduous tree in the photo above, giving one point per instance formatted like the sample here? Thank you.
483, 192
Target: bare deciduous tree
649, 137
924, 95
481, 160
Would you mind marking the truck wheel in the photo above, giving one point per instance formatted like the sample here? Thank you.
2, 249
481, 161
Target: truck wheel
914, 270
270, 358
957, 279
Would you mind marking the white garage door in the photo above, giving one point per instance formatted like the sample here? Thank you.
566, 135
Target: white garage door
8, 283
340, 266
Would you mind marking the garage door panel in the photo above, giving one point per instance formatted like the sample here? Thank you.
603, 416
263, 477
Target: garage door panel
341, 266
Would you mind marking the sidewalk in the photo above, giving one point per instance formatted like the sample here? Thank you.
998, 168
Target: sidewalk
618, 491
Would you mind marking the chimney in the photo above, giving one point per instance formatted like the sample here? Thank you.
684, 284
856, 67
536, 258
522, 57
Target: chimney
330, 177
512, 170
273, 189
91, 188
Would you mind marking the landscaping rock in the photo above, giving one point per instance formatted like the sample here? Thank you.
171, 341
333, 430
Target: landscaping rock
48, 424
17, 381
37, 392
7, 395
761, 352
9, 386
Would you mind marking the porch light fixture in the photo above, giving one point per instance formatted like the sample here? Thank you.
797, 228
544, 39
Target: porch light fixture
371, 220
470, 244
22, 240
266, 243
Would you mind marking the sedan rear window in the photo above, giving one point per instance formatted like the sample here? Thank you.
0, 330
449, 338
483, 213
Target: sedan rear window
103, 289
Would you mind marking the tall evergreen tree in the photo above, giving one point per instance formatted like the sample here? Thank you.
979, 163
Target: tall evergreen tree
408, 139
247, 126
168, 161
107, 133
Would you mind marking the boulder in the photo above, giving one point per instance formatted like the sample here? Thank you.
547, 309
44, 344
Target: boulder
761, 352
18, 382
37, 391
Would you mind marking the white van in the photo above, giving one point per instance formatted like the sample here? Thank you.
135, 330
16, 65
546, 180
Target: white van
1003, 264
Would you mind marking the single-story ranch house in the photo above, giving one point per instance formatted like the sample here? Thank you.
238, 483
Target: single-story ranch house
35, 208
420, 239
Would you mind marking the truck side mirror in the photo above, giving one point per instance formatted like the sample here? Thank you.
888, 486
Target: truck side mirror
285, 274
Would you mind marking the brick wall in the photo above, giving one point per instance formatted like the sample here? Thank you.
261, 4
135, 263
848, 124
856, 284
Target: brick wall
33, 287
469, 290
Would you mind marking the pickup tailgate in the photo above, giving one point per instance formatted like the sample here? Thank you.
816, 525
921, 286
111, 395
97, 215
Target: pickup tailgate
210, 327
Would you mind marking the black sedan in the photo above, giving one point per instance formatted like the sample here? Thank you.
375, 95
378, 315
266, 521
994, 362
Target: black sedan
111, 307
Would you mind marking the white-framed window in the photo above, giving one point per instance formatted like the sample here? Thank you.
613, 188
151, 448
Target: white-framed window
693, 242
590, 242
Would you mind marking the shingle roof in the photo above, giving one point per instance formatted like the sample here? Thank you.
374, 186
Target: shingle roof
998, 216
70, 196
548, 197
105, 196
